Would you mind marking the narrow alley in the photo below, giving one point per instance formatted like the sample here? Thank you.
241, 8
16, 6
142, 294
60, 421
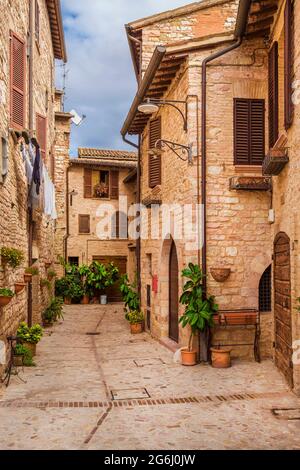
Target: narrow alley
96, 386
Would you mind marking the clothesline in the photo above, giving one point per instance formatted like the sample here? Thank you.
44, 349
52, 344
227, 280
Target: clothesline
42, 189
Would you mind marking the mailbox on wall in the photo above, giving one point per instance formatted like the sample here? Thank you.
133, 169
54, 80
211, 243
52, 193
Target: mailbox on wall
155, 283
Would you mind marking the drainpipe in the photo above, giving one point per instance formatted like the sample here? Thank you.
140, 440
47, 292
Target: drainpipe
30, 125
240, 29
66, 237
138, 242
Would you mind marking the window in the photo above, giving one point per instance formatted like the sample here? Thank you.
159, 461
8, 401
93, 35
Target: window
37, 21
154, 159
41, 134
273, 95
288, 63
265, 289
17, 81
84, 224
73, 260
119, 225
249, 131
101, 184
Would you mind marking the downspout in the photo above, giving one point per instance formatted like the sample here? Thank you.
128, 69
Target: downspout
138, 243
240, 29
66, 237
30, 124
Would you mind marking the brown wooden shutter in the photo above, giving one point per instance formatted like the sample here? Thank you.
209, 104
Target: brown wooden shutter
17, 88
87, 183
288, 63
41, 133
154, 160
84, 223
37, 21
114, 184
249, 131
273, 95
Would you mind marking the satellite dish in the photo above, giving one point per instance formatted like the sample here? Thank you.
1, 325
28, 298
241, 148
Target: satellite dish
76, 119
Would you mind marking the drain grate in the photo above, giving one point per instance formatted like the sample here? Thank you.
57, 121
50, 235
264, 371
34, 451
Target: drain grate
130, 394
288, 414
148, 362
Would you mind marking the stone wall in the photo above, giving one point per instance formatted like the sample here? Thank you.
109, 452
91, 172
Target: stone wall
13, 189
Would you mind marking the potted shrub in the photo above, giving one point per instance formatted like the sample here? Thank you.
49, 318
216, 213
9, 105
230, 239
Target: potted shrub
5, 296
199, 310
84, 271
29, 273
100, 277
22, 356
11, 256
53, 312
136, 320
30, 336
51, 275
19, 286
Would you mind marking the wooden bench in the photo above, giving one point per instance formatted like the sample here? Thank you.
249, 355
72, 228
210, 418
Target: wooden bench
244, 318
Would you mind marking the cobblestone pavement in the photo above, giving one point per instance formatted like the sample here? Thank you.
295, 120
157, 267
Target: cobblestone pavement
67, 400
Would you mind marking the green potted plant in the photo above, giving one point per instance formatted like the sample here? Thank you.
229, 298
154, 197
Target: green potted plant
45, 283
22, 356
11, 256
53, 312
132, 310
199, 310
51, 275
30, 336
84, 271
100, 277
5, 296
29, 273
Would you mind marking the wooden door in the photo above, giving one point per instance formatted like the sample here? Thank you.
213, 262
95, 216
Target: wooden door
173, 295
113, 293
282, 307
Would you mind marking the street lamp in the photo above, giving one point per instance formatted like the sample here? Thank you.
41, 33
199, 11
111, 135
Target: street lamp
151, 106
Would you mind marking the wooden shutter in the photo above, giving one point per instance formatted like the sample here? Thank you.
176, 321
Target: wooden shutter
249, 131
114, 184
17, 81
84, 224
154, 160
41, 133
288, 63
37, 21
87, 183
273, 95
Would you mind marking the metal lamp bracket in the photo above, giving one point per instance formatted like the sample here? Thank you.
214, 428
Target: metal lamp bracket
175, 147
174, 103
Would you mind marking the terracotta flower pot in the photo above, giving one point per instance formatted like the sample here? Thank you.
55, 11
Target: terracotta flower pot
31, 347
85, 300
47, 324
48, 264
67, 301
19, 286
18, 361
27, 277
136, 328
188, 358
221, 358
4, 300
220, 274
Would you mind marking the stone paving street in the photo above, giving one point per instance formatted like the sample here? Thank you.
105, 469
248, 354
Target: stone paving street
67, 400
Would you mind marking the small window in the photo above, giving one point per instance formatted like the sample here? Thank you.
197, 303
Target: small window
101, 184
74, 260
265, 291
84, 224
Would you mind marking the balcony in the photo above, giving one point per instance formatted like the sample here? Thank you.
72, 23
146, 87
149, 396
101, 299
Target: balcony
250, 183
275, 162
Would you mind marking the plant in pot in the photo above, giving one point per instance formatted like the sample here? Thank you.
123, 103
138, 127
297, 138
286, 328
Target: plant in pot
199, 310
30, 336
84, 271
22, 356
51, 275
29, 273
11, 256
5, 296
100, 277
132, 310
45, 283
53, 312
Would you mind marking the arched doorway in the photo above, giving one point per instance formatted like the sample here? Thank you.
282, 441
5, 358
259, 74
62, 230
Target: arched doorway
282, 306
173, 294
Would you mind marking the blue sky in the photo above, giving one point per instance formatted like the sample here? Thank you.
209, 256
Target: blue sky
100, 78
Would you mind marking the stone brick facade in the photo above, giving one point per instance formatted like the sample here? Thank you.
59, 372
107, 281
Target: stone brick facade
87, 246
14, 229
240, 236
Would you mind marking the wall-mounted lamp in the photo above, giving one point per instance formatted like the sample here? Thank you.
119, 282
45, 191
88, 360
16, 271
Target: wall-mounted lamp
151, 106
179, 149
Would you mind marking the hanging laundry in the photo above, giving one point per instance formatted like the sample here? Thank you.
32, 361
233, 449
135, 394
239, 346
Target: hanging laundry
36, 176
49, 195
27, 163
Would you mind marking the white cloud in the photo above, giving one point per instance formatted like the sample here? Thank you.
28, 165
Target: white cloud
100, 81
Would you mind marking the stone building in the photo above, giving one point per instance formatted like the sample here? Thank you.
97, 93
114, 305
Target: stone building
31, 38
215, 62
101, 187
